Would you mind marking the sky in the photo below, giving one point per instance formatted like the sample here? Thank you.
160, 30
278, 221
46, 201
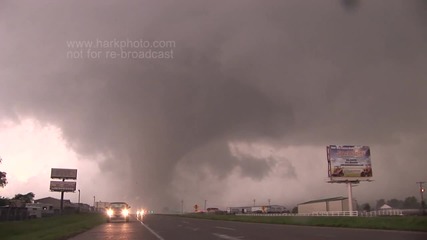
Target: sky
155, 102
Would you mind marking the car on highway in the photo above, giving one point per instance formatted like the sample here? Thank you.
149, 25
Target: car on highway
118, 211
140, 214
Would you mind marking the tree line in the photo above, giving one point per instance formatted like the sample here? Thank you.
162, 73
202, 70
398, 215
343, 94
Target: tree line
408, 203
3, 180
24, 198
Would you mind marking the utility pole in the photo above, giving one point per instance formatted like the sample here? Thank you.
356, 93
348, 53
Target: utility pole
254, 202
182, 206
94, 209
422, 196
205, 204
269, 200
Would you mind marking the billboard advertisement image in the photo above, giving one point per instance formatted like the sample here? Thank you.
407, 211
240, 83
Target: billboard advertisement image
349, 163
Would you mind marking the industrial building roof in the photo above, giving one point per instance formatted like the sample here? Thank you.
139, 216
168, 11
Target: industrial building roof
325, 200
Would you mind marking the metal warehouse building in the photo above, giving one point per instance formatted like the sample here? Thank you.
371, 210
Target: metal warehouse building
325, 205
258, 209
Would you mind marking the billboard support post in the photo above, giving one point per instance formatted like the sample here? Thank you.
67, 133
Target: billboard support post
79, 202
62, 202
350, 198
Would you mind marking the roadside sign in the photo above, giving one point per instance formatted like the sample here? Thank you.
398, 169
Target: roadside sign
60, 186
63, 173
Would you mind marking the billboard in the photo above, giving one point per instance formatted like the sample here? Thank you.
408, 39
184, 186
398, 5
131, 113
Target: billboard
63, 173
60, 186
349, 163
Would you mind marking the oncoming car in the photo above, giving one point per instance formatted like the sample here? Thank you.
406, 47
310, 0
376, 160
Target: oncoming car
140, 215
118, 211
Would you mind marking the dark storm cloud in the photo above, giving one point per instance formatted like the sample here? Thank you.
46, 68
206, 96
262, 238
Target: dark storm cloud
350, 4
299, 73
255, 168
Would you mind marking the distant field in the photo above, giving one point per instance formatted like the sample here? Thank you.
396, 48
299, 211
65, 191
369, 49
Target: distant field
406, 223
50, 228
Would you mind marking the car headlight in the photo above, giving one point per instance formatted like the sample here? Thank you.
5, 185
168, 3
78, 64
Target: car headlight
110, 212
125, 212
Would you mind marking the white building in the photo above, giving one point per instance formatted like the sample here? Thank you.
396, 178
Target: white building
276, 209
239, 210
325, 205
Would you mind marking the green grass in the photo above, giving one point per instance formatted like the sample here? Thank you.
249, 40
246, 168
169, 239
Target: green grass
49, 228
406, 223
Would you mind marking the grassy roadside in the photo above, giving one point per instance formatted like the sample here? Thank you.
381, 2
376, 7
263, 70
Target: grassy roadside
50, 228
406, 223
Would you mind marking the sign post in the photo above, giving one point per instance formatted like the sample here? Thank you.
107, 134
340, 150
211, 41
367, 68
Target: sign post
63, 186
350, 198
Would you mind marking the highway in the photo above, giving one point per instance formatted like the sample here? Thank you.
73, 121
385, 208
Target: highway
160, 227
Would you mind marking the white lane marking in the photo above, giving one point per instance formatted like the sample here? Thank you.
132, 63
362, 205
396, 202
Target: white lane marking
223, 236
226, 228
185, 222
193, 229
152, 231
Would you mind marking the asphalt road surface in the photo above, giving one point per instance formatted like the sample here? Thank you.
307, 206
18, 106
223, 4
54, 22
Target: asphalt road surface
158, 227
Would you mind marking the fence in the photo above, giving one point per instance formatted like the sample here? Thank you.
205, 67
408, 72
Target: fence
395, 212
13, 213
336, 213
22, 213
330, 213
